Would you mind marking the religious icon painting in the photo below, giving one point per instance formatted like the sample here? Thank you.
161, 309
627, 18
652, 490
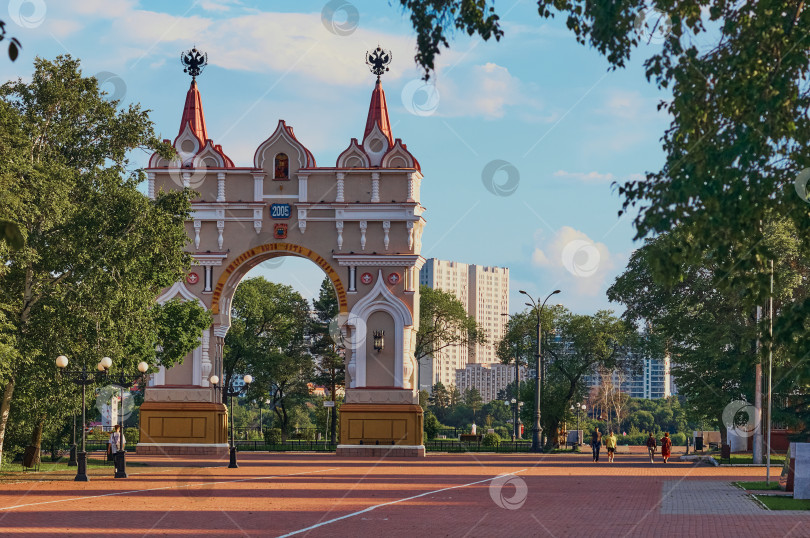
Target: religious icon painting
282, 163
280, 231
393, 279
366, 278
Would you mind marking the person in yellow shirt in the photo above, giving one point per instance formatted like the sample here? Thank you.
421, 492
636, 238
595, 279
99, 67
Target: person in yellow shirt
610, 445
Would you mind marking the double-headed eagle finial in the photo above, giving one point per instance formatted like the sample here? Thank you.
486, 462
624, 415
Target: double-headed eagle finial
378, 60
194, 62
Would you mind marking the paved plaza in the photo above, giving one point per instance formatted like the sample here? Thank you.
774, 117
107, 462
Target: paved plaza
441, 495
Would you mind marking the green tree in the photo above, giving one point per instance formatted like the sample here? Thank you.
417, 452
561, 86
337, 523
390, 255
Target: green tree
472, 399
709, 330
269, 323
330, 365
443, 322
97, 252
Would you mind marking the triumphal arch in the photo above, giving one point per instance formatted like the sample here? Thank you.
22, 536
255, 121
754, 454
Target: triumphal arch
359, 220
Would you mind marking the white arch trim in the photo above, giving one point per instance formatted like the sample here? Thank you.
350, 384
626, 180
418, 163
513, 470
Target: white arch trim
379, 299
178, 288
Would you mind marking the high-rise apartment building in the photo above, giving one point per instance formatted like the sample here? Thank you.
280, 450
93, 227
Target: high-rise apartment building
489, 380
484, 292
654, 381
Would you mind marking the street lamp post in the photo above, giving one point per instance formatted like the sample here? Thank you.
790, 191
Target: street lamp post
125, 382
538, 394
83, 377
73, 448
577, 406
230, 393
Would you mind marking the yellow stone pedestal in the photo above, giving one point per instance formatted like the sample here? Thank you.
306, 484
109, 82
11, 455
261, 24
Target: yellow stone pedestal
169, 428
381, 430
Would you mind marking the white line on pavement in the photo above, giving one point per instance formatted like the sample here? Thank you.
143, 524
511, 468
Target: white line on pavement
370, 508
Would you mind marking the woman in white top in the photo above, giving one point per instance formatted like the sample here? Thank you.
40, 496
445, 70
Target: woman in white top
117, 440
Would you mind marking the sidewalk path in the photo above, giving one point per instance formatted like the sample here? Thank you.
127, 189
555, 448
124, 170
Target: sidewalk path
441, 495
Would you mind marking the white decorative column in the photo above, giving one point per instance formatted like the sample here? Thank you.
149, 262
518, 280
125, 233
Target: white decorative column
207, 283
221, 230
339, 226
363, 228
258, 187
410, 187
150, 185
409, 225
339, 197
375, 186
302, 188
186, 179
352, 278
197, 225
220, 186
386, 229
206, 360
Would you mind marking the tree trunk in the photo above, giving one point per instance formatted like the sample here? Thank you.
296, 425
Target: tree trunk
36, 439
5, 408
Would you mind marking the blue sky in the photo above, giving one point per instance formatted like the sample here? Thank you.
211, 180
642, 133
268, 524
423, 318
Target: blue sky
538, 114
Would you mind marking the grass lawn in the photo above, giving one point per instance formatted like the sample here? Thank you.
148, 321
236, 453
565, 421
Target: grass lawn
776, 460
783, 502
758, 486
59, 470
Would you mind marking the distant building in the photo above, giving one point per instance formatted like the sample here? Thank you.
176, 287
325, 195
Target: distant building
654, 381
484, 292
489, 380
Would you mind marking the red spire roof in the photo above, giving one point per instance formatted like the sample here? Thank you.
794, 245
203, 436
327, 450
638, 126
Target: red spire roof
377, 114
193, 114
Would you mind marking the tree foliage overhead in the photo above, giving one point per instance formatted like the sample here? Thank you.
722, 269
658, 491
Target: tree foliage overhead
738, 76
711, 332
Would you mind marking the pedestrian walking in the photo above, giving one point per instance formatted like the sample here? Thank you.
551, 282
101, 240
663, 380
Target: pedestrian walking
666, 447
117, 444
610, 444
596, 444
651, 444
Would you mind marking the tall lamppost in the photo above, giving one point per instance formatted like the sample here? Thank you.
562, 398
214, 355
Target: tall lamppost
83, 377
538, 394
583, 407
230, 393
125, 382
73, 448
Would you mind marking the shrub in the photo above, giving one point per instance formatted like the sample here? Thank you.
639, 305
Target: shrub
503, 432
491, 439
432, 425
678, 439
131, 435
272, 436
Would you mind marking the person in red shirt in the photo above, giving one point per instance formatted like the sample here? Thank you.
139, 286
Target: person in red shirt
666, 447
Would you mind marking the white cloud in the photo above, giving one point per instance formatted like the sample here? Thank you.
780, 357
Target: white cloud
104, 9
596, 177
218, 5
580, 264
486, 90
285, 43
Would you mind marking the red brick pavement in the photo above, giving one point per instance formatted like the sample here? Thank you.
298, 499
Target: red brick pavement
441, 495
